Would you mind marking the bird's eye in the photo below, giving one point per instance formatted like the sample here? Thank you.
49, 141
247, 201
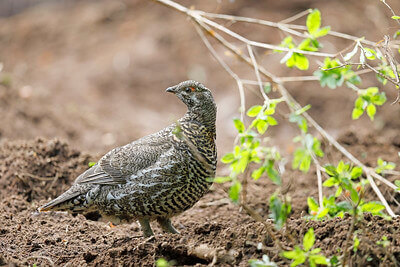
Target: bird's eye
189, 89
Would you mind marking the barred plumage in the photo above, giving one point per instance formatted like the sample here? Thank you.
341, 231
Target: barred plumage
155, 177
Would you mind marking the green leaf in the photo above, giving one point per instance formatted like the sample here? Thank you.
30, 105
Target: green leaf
271, 121
254, 110
312, 204
371, 110
397, 183
243, 161
370, 53
234, 191
162, 263
359, 103
396, 17
322, 32
299, 260
256, 174
222, 179
373, 207
313, 21
305, 163
323, 213
356, 172
267, 88
339, 191
330, 170
330, 182
372, 91
279, 211
357, 113
301, 62
262, 126
319, 259
290, 254
273, 175
228, 158
379, 99
239, 125
356, 243
91, 163
354, 195
315, 251
297, 255
341, 167
309, 240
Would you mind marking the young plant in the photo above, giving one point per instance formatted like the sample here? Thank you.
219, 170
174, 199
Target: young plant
301, 255
343, 177
384, 166
250, 151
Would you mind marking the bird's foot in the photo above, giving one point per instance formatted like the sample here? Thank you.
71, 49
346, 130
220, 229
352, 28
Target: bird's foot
166, 225
146, 229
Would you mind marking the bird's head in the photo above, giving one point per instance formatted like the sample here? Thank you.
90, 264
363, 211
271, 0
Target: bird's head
195, 95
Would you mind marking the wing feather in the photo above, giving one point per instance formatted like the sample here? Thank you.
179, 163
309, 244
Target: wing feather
120, 163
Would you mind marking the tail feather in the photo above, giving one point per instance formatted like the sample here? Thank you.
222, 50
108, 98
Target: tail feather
64, 202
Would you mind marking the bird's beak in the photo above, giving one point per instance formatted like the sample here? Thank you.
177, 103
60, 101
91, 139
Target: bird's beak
171, 89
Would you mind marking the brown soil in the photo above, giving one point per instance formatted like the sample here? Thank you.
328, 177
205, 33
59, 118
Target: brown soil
61, 83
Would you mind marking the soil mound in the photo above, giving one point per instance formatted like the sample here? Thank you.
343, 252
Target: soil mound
38, 169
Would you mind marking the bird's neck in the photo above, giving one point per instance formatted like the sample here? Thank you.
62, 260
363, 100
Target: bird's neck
206, 116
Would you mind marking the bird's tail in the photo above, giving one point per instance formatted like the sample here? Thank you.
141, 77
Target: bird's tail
73, 200
65, 202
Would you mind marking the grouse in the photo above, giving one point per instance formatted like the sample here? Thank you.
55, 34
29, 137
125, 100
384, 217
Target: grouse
155, 177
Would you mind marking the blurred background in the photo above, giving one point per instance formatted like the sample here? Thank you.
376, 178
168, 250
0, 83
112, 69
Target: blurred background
94, 73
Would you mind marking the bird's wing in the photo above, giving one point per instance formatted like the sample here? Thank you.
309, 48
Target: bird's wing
120, 163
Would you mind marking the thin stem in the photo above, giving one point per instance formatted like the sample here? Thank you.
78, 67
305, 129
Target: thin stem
282, 26
351, 231
320, 194
369, 67
195, 15
256, 68
297, 16
391, 9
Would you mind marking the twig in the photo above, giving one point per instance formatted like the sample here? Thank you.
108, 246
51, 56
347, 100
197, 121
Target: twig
391, 9
297, 16
393, 64
256, 68
281, 26
395, 82
197, 15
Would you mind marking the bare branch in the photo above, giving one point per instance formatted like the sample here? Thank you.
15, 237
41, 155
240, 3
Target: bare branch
297, 16
256, 68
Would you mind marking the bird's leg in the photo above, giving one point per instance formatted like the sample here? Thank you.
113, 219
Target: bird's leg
166, 225
145, 226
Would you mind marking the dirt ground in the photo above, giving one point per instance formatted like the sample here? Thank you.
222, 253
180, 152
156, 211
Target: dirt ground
68, 95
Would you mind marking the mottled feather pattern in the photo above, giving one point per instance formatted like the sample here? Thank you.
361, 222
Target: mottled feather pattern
155, 177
